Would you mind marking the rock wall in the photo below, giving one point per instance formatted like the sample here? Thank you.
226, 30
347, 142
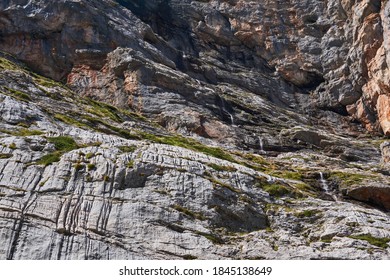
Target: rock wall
194, 129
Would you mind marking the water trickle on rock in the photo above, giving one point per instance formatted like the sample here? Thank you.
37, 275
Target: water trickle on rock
326, 188
261, 144
224, 109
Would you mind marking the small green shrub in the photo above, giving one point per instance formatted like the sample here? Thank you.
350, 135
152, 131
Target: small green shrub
70, 121
12, 146
127, 149
306, 213
189, 213
130, 164
63, 143
190, 144
104, 110
28, 132
91, 166
348, 179
78, 166
19, 94
276, 190
49, 159
5, 64
43, 81
5, 156
326, 240
89, 155
293, 175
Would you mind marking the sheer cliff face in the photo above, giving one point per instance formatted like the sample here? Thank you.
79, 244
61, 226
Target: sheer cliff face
335, 50
194, 129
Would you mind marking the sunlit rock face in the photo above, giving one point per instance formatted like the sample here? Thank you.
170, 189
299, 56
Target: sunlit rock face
194, 129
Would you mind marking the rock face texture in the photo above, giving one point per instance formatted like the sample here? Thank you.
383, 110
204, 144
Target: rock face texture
194, 129
337, 51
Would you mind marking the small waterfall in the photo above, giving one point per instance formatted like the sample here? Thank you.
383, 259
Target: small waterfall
231, 118
224, 109
261, 144
325, 187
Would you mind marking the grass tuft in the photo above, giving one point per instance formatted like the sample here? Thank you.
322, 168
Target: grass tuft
376, 241
192, 214
63, 143
49, 159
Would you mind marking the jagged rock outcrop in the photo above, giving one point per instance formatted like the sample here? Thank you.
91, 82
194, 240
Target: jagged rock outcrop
337, 50
194, 129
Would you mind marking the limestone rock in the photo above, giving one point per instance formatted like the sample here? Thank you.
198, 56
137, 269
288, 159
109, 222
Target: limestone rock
194, 129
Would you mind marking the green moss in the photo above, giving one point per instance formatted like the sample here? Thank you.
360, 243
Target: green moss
28, 132
41, 184
88, 178
130, 164
255, 159
49, 158
18, 94
269, 230
63, 143
192, 214
348, 179
23, 124
78, 166
12, 146
277, 190
327, 240
5, 156
22, 132
91, 166
293, 175
306, 213
104, 110
190, 144
127, 149
120, 131
255, 162
376, 241
106, 178
303, 189
89, 155
70, 121
5, 64
45, 82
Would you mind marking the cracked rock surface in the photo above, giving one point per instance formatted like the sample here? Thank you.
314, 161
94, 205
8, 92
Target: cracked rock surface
194, 129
